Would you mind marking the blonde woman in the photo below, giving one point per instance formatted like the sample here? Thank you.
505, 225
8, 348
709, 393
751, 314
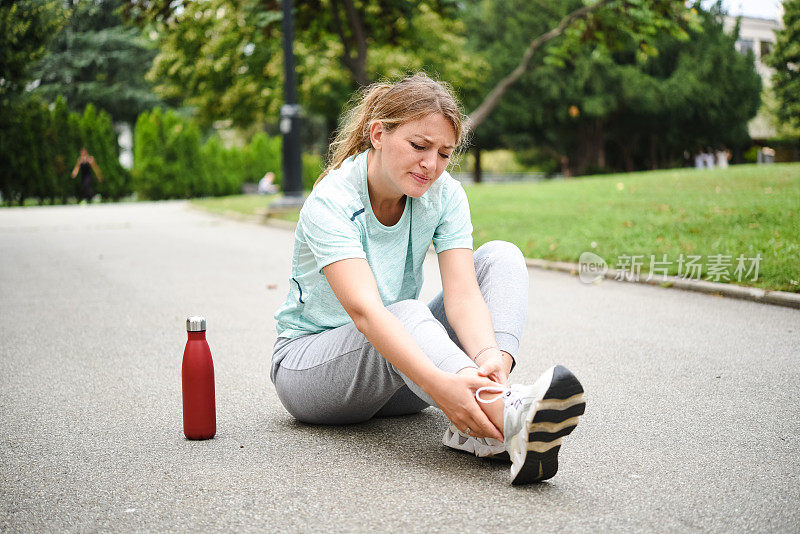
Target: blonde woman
353, 340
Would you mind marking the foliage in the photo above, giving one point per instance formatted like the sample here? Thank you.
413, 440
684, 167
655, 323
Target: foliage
261, 156
99, 138
616, 107
39, 148
166, 157
171, 161
606, 25
785, 59
745, 209
95, 59
312, 168
224, 57
25, 28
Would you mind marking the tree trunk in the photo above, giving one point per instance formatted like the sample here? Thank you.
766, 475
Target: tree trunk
477, 173
566, 170
358, 65
653, 151
583, 155
626, 153
600, 144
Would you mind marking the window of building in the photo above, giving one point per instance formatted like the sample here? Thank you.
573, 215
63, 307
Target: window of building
746, 45
766, 48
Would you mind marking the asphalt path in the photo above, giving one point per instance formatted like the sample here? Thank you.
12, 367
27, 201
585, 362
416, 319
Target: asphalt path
692, 421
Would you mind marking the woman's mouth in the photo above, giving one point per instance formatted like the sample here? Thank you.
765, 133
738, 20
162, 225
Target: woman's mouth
420, 178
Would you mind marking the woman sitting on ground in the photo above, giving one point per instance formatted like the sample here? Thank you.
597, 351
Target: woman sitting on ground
355, 342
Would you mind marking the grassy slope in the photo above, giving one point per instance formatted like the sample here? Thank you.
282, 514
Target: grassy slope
741, 210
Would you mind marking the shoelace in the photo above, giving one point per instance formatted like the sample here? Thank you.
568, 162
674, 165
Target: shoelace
492, 389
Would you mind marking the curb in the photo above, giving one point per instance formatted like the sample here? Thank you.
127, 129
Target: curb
764, 296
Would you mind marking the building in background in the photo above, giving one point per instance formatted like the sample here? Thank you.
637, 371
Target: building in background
757, 35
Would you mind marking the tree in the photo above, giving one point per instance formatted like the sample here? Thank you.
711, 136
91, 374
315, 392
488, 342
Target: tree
95, 59
607, 24
167, 157
223, 57
66, 127
785, 59
26, 26
604, 107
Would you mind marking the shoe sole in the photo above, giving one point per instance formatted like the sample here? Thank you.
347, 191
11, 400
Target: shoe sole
554, 416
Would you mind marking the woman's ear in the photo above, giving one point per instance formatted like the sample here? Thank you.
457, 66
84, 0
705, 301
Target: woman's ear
376, 135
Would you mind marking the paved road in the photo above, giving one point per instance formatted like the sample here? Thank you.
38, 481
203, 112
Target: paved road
692, 422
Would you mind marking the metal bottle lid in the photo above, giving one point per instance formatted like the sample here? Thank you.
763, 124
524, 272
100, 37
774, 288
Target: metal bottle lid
195, 323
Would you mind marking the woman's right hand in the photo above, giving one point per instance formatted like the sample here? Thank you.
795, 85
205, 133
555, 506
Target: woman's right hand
454, 394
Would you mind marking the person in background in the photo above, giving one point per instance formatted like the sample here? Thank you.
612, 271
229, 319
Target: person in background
699, 159
85, 165
723, 155
709, 157
266, 185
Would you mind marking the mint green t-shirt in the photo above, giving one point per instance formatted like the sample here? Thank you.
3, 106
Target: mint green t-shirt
337, 222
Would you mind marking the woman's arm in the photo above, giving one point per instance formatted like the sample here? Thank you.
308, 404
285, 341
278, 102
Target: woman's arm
468, 313
96, 168
354, 285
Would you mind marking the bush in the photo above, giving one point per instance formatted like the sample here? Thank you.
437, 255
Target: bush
263, 155
39, 148
171, 162
312, 168
224, 168
100, 139
166, 151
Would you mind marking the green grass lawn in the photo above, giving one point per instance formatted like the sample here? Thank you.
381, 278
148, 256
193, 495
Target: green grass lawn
718, 215
743, 210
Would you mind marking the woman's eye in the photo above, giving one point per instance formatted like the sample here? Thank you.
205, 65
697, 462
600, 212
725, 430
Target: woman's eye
445, 156
416, 146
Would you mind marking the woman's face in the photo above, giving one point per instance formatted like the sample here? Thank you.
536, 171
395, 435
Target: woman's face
414, 155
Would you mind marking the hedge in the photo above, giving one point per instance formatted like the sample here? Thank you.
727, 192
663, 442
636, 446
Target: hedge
40, 144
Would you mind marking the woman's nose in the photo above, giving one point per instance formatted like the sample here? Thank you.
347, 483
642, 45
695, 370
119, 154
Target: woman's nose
428, 161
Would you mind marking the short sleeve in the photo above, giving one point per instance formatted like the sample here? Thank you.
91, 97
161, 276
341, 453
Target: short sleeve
455, 226
329, 233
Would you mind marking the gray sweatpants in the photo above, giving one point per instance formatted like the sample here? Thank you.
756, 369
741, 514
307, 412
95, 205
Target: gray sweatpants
337, 377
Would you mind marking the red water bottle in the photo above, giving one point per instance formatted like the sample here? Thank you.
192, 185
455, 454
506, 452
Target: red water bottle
197, 374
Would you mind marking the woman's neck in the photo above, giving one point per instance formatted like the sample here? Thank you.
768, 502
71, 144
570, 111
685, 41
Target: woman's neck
383, 195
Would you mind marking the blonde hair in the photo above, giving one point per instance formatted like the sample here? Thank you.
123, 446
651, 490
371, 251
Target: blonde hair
392, 104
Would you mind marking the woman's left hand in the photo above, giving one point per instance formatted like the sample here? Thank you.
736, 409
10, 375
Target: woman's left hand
495, 365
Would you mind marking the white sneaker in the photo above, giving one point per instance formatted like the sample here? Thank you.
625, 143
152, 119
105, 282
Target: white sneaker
535, 419
482, 447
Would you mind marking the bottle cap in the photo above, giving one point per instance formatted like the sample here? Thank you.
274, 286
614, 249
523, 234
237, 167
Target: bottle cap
195, 323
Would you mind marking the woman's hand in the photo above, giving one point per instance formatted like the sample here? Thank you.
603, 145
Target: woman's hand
454, 394
494, 364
